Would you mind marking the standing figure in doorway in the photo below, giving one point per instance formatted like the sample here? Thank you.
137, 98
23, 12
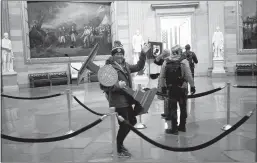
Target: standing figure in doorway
7, 54
192, 59
217, 43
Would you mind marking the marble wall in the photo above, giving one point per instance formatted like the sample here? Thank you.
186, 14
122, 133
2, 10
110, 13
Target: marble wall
142, 16
128, 16
205, 18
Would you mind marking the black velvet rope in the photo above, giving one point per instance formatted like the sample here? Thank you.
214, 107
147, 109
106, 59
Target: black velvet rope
244, 86
188, 149
191, 96
31, 98
204, 93
84, 106
52, 139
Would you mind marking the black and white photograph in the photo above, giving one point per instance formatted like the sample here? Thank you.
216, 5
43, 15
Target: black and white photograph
128, 81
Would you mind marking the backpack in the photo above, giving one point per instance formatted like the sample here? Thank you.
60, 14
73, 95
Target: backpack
189, 57
173, 73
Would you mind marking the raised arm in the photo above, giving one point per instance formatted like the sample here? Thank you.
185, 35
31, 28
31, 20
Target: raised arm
160, 59
140, 64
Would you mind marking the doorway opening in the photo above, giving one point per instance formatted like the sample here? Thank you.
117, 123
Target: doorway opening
175, 30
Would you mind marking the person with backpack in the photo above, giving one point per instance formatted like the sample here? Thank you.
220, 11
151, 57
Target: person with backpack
159, 60
117, 97
192, 59
177, 75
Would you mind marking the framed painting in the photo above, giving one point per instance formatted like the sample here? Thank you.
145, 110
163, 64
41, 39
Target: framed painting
247, 27
156, 49
54, 28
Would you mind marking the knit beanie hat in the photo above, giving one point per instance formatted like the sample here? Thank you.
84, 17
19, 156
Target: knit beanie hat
175, 49
117, 48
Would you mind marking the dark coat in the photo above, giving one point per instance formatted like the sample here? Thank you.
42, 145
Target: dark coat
116, 96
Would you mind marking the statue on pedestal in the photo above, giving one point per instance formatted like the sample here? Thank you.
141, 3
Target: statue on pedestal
137, 44
218, 44
7, 54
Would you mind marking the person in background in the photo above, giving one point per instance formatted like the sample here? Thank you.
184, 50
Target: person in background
177, 75
192, 59
159, 60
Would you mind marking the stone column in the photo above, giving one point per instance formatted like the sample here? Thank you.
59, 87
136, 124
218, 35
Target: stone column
135, 19
5, 18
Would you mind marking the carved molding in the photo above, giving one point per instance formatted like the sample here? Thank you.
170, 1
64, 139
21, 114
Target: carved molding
5, 17
189, 4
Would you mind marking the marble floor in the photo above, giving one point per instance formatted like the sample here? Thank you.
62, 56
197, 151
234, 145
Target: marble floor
206, 116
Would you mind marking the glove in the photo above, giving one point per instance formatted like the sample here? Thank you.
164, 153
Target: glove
146, 48
192, 90
122, 84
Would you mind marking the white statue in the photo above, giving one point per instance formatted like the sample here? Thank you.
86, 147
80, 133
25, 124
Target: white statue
137, 44
7, 54
218, 44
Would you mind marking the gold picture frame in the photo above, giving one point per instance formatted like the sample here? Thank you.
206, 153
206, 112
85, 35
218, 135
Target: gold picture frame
26, 45
239, 30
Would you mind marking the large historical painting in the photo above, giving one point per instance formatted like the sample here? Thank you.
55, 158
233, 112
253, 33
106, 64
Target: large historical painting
73, 28
247, 12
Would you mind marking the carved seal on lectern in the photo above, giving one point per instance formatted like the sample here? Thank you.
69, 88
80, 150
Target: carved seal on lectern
107, 75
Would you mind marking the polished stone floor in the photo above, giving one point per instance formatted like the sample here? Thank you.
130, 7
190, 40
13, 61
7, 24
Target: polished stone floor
206, 116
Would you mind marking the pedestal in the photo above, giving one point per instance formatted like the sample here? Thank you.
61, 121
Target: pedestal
143, 81
218, 68
10, 81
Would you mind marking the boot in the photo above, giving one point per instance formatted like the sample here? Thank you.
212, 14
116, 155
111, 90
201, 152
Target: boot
182, 126
174, 128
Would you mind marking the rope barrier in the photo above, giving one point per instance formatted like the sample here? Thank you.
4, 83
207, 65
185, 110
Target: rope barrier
194, 95
31, 98
84, 106
53, 139
244, 86
188, 149
205, 93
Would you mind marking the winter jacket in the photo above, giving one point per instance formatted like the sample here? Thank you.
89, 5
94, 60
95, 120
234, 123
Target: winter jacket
194, 58
116, 96
185, 71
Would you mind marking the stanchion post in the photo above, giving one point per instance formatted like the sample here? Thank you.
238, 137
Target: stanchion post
86, 81
256, 138
68, 94
140, 125
113, 128
228, 103
228, 126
